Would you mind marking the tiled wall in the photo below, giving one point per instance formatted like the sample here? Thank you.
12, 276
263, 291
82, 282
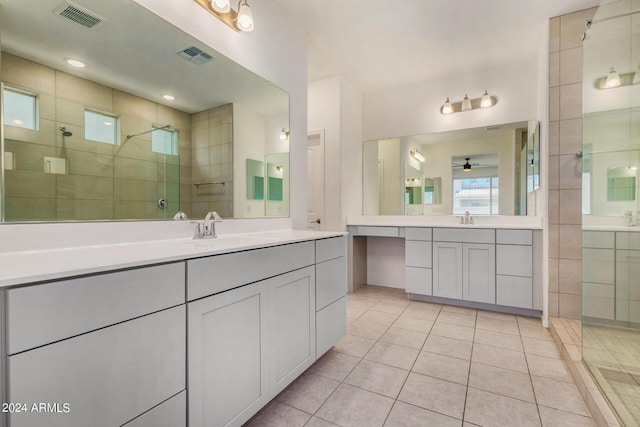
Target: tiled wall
212, 161
565, 168
102, 181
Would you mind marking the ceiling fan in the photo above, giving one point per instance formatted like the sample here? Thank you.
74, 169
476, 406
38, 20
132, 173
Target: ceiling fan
466, 166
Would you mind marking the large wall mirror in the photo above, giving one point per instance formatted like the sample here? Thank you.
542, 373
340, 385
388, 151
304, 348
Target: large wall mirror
155, 122
485, 171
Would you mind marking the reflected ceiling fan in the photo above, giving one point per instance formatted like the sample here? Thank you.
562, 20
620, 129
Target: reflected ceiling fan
466, 166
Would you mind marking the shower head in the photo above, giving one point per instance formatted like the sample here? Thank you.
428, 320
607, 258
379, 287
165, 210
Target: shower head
64, 131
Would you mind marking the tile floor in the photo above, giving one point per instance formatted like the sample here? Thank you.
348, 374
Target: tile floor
407, 363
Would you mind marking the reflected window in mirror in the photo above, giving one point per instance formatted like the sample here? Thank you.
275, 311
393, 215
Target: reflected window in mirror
432, 191
478, 196
20, 108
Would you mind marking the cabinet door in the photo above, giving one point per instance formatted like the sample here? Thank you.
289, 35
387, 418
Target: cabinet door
107, 377
292, 326
228, 356
447, 270
479, 272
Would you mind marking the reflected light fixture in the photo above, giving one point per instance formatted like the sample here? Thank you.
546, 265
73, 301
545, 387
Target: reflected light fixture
279, 168
221, 6
284, 134
446, 107
168, 97
532, 164
467, 166
613, 79
76, 63
17, 122
485, 101
240, 20
466, 103
417, 155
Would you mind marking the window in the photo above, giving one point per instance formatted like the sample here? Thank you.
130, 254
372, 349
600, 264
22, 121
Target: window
100, 127
164, 142
20, 109
479, 196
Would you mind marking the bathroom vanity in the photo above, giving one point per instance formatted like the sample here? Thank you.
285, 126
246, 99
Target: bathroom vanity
210, 328
494, 265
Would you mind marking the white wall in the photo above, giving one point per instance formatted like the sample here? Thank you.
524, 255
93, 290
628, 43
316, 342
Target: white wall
276, 35
415, 109
335, 106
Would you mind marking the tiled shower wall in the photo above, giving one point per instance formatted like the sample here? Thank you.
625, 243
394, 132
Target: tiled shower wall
212, 162
102, 181
565, 168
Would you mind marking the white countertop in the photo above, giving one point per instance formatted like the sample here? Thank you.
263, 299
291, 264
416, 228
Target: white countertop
29, 266
506, 222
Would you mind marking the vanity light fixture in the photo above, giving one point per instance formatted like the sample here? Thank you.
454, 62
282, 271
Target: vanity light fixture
284, 134
417, 155
467, 166
468, 104
76, 63
613, 79
446, 107
240, 20
168, 97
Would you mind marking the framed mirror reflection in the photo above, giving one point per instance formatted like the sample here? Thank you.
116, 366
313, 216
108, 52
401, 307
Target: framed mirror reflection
121, 116
486, 171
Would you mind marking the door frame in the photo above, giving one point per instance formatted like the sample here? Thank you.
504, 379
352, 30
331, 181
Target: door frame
319, 133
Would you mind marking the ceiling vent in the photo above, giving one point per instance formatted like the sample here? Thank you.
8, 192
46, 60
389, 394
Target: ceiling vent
79, 15
494, 127
195, 55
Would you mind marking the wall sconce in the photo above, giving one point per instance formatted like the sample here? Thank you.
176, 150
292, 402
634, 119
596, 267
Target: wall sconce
279, 168
485, 101
284, 134
417, 155
242, 20
613, 80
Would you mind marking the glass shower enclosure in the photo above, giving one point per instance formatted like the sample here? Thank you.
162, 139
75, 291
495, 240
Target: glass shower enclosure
611, 213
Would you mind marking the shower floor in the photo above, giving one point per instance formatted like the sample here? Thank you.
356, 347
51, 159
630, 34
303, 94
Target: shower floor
613, 356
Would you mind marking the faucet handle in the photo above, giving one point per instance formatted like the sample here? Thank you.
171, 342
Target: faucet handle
198, 233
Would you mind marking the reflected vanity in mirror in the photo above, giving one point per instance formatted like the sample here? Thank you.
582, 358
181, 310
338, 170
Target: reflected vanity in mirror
152, 122
486, 171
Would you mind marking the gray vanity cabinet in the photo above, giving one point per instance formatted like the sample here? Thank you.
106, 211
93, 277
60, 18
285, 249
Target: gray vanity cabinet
418, 260
464, 264
331, 290
228, 356
99, 345
248, 343
514, 286
599, 273
447, 270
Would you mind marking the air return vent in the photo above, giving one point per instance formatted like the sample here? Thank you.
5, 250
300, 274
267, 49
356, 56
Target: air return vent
79, 15
195, 55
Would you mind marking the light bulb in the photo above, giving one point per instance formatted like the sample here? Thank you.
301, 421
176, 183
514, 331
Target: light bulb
486, 101
466, 103
447, 108
245, 17
221, 6
613, 79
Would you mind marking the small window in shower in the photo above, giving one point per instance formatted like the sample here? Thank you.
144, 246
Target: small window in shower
100, 127
20, 108
164, 142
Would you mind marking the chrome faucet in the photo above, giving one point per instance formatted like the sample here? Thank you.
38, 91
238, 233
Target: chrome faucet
207, 228
628, 219
466, 219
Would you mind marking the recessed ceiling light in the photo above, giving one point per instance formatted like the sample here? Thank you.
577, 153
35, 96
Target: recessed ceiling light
168, 97
76, 63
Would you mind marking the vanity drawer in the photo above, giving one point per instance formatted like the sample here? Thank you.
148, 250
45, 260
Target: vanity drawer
514, 291
368, 230
415, 233
514, 260
219, 273
599, 239
42, 314
464, 235
330, 325
514, 237
327, 249
171, 413
417, 253
331, 281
